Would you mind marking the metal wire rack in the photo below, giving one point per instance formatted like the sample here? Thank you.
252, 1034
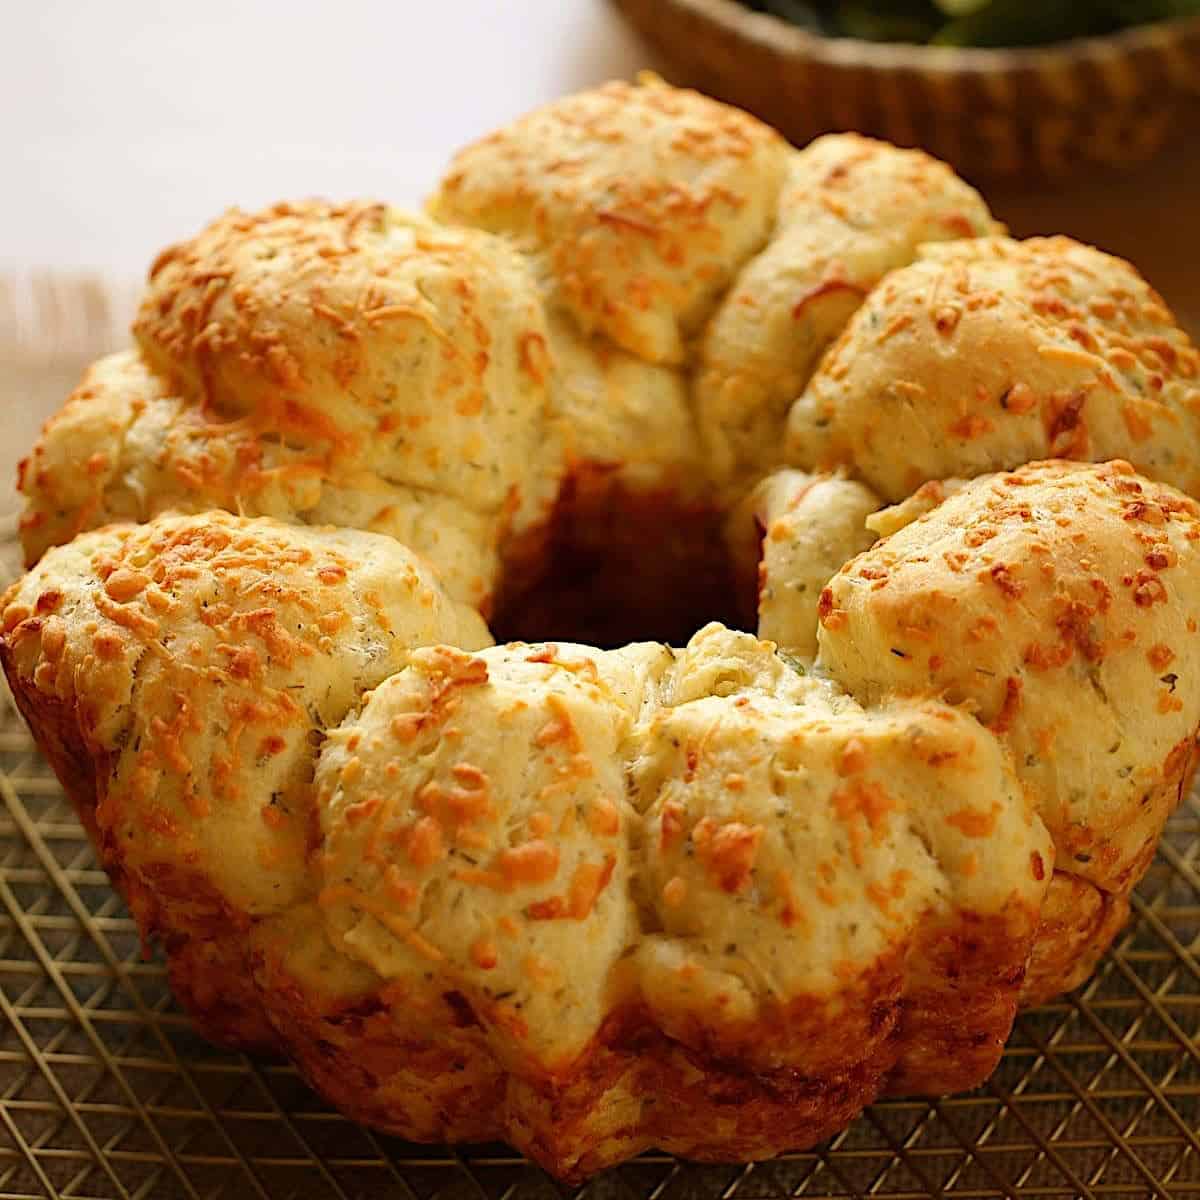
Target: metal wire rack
106, 1093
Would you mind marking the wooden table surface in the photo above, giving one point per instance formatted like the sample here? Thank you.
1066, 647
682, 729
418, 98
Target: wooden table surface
1151, 216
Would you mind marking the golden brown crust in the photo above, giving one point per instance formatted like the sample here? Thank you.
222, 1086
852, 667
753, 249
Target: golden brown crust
635, 1087
645, 1090
963, 990
1056, 599
422, 1074
714, 899
210, 975
988, 353
640, 202
1078, 924
851, 210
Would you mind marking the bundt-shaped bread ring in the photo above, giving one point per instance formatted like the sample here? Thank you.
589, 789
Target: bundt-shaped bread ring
642, 365
595, 881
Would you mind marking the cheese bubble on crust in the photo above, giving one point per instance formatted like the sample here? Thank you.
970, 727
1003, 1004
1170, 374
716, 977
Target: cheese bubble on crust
637, 202
1055, 600
383, 340
989, 353
794, 846
851, 210
194, 660
475, 835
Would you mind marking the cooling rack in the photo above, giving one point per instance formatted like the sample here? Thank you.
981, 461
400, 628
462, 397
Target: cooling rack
106, 1094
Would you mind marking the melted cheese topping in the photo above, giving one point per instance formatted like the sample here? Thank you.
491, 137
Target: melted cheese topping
1057, 601
852, 210
202, 659
638, 202
990, 353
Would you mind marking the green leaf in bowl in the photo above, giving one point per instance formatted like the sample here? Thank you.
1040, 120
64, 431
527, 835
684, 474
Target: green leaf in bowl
961, 8
888, 20
797, 12
1026, 23
995, 23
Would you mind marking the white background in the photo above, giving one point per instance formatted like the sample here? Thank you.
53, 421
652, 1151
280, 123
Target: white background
128, 123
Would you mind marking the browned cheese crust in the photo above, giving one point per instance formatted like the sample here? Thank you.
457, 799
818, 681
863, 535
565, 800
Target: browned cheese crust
988, 353
640, 364
1058, 601
174, 674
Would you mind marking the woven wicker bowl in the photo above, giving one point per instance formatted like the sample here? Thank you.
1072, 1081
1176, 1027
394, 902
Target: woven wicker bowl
1112, 101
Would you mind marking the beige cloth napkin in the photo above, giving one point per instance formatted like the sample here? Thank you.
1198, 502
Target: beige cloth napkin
51, 326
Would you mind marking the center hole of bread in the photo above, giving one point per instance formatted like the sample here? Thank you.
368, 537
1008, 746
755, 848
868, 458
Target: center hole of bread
618, 568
